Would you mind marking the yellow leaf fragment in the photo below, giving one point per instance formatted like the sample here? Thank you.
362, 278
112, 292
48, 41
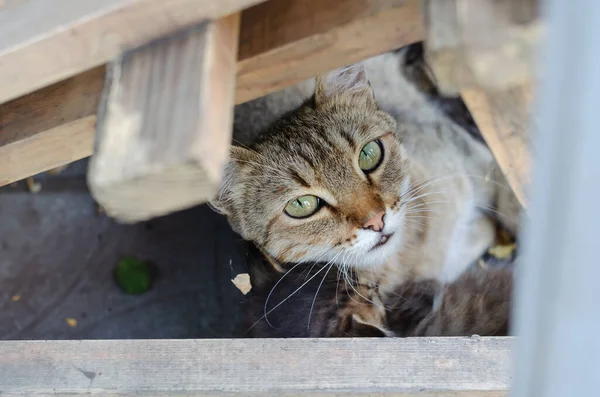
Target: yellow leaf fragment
503, 251
33, 186
242, 282
15, 298
58, 170
71, 321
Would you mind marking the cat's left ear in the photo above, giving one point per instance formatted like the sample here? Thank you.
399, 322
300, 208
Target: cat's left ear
347, 82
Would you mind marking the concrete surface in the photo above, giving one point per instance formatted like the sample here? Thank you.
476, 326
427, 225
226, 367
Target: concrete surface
57, 255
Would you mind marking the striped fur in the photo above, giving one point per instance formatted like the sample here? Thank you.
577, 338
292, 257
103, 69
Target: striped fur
437, 182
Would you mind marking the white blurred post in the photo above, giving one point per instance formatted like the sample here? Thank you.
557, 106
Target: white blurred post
558, 293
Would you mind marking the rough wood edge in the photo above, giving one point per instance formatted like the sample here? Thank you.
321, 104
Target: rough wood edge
456, 367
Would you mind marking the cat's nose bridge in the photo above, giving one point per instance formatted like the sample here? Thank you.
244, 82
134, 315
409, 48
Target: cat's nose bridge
374, 221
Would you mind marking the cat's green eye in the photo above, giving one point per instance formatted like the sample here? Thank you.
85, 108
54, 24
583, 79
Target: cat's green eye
370, 156
303, 206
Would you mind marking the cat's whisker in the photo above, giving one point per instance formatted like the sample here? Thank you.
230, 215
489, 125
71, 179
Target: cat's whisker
283, 301
273, 289
409, 198
418, 186
495, 211
275, 286
488, 179
413, 199
337, 285
428, 204
359, 294
331, 264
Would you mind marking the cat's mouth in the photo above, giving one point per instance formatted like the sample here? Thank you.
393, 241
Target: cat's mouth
382, 241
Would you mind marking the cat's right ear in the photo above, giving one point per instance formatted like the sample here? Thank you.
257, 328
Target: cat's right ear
224, 202
349, 81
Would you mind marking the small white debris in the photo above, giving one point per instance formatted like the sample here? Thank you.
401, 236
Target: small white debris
242, 282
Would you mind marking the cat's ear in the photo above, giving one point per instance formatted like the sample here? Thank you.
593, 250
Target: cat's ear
347, 81
224, 202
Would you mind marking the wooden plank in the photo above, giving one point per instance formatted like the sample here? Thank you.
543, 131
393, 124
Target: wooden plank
504, 118
50, 127
166, 121
274, 52
304, 38
486, 43
40, 46
557, 316
459, 367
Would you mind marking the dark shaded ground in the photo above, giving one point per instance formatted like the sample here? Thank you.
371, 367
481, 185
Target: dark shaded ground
57, 255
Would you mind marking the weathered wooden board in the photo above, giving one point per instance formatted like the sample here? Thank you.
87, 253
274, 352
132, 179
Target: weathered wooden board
504, 119
474, 367
275, 51
42, 42
50, 127
303, 38
166, 121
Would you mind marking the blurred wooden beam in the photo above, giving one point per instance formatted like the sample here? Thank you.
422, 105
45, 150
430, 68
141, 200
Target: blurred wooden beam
485, 50
165, 126
276, 50
487, 43
42, 42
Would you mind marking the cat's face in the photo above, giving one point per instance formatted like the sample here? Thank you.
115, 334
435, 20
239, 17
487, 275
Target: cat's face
326, 184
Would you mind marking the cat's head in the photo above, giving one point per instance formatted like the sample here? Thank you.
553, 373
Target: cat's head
326, 183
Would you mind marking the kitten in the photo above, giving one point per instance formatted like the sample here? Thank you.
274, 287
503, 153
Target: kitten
388, 200
315, 301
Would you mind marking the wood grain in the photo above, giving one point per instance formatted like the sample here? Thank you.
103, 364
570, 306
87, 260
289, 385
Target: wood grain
274, 52
284, 42
504, 119
459, 367
165, 124
40, 45
50, 127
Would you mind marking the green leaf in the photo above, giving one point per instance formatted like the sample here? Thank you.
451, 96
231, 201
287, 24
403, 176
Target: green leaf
133, 275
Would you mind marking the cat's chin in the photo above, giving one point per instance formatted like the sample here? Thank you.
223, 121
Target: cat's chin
388, 246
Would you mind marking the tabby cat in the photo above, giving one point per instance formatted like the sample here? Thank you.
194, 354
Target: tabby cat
399, 203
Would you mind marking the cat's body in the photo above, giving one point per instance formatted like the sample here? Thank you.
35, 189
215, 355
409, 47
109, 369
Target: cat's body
422, 213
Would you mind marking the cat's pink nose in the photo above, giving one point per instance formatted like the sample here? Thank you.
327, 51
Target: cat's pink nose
375, 222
